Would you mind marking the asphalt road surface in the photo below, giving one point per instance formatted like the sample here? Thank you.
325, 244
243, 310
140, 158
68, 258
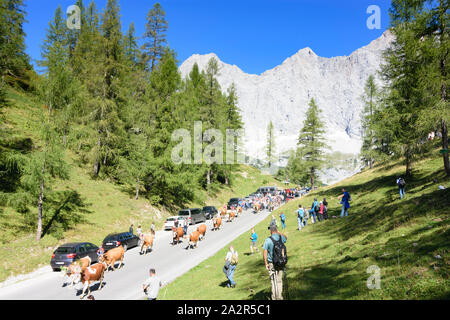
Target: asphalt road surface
169, 261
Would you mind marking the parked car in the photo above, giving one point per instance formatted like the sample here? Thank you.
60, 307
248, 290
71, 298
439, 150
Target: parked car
209, 212
233, 202
125, 239
194, 215
67, 253
170, 222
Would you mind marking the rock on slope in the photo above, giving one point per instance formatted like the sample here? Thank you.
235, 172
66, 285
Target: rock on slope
282, 95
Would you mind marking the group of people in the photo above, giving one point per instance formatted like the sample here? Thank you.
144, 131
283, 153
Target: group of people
274, 262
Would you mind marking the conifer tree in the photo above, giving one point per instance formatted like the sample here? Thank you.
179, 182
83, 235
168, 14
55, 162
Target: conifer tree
270, 145
369, 98
402, 71
13, 59
311, 142
155, 35
41, 168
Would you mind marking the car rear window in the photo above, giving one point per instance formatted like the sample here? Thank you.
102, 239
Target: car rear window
183, 213
170, 219
111, 238
65, 250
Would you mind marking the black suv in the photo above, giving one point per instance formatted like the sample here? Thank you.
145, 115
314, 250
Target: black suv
233, 202
64, 255
209, 211
124, 239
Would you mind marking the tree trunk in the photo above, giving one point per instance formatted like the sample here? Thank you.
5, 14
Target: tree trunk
41, 200
408, 165
443, 28
208, 177
312, 178
445, 146
97, 162
226, 180
137, 190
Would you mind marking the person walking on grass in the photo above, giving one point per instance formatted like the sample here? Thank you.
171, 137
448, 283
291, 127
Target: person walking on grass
345, 198
315, 207
283, 221
300, 216
253, 239
401, 187
151, 286
273, 222
131, 229
325, 208
321, 211
272, 257
231, 261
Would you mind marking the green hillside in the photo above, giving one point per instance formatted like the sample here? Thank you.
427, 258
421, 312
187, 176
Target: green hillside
102, 205
407, 239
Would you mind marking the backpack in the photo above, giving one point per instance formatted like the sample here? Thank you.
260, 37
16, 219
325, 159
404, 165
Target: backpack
402, 182
234, 259
316, 207
279, 254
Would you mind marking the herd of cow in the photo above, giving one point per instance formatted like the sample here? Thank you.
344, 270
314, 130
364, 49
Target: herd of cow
197, 235
81, 271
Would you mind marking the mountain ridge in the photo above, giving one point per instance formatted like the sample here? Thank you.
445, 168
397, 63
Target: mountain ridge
282, 94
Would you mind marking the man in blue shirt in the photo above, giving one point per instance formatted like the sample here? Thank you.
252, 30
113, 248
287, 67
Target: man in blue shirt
300, 216
345, 198
276, 276
253, 239
283, 221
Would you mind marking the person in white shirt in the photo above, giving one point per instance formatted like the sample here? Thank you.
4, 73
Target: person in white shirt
231, 261
151, 285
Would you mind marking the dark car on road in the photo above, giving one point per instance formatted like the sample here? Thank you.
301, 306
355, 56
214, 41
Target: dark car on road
234, 202
209, 211
125, 239
67, 253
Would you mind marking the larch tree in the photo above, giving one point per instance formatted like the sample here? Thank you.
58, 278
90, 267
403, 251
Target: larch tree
155, 35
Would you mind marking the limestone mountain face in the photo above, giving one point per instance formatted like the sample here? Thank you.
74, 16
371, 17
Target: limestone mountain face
282, 95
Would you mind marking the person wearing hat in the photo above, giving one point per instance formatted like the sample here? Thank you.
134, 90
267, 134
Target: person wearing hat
276, 276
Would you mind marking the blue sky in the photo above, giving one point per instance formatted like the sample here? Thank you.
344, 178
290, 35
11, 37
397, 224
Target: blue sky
254, 35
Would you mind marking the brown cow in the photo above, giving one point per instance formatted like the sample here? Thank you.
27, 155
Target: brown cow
223, 211
202, 230
231, 216
216, 223
94, 273
75, 269
113, 255
193, 239
177, 234
147, 242
239, 211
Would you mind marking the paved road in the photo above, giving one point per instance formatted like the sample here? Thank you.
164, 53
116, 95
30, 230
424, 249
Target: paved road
169, 261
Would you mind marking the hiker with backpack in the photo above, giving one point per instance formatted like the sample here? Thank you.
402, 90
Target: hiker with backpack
345, 198
315, 208
401, 186
275, 260
300, 216
325, 209
231, 261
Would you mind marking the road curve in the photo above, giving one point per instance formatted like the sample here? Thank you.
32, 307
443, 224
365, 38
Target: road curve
169, 261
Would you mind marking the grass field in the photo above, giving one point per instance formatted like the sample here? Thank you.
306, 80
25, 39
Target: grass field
407, 239
109, 208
